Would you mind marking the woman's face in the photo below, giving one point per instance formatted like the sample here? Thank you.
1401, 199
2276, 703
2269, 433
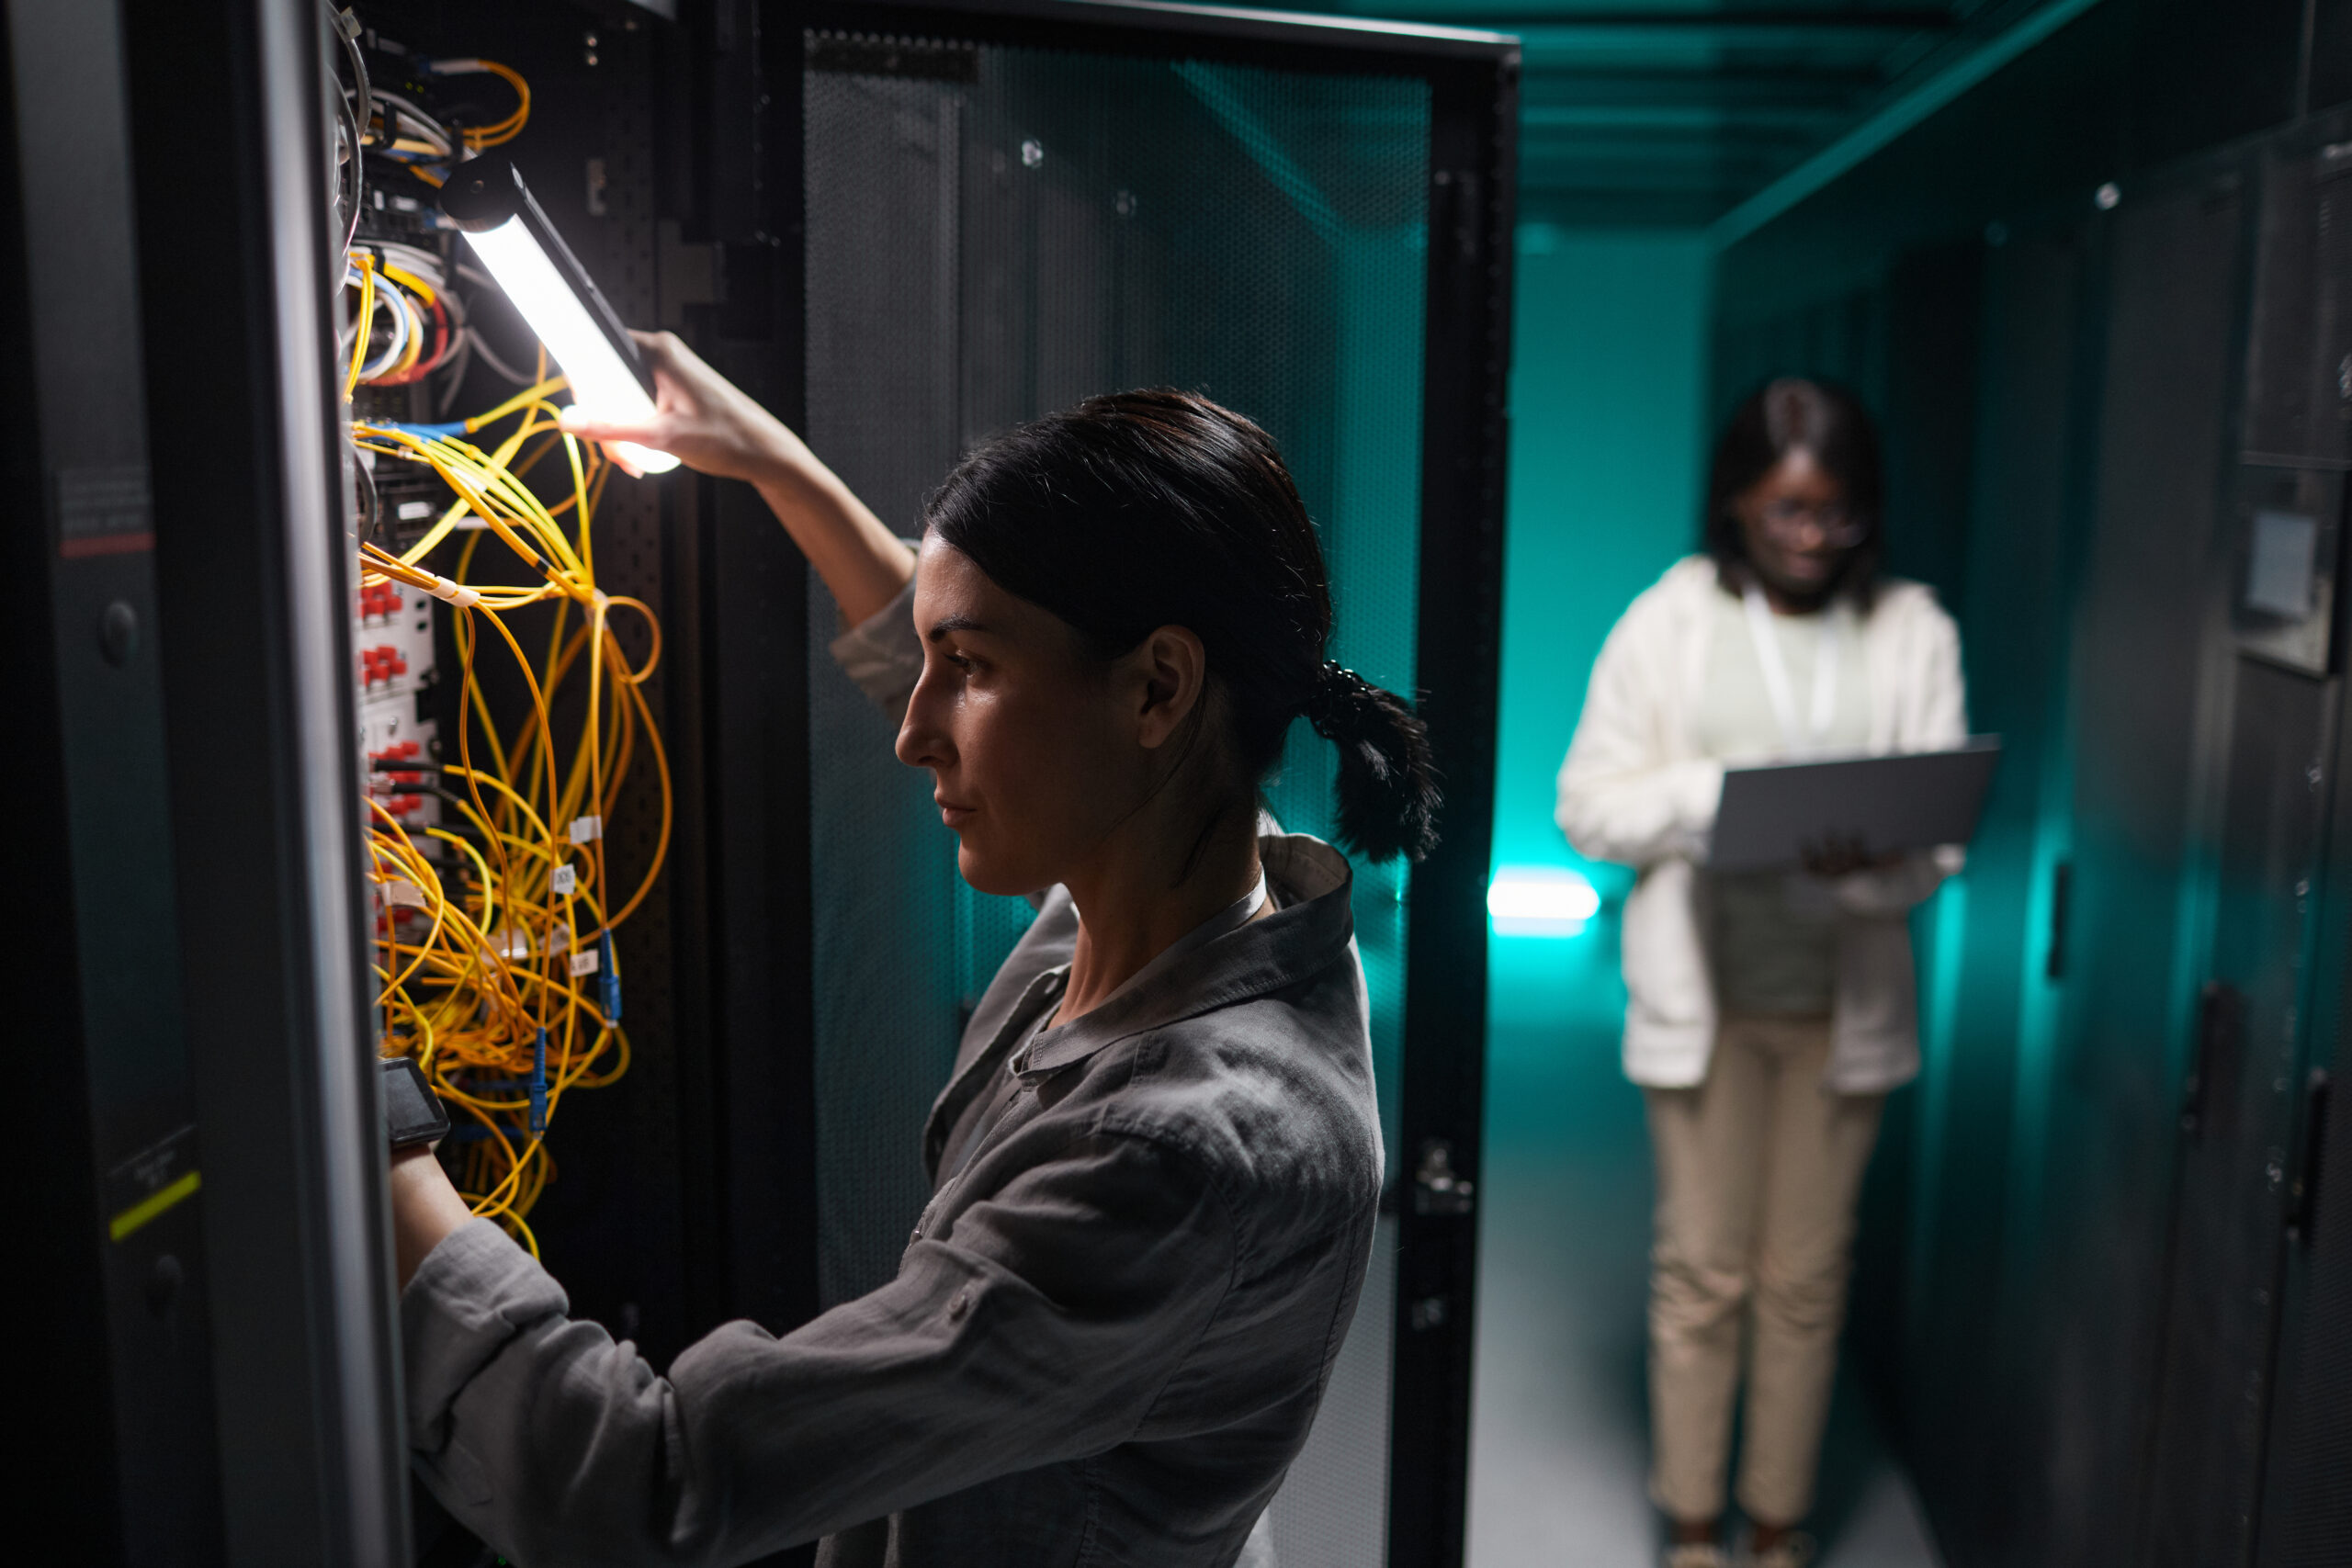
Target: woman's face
1795, 527
1038, 750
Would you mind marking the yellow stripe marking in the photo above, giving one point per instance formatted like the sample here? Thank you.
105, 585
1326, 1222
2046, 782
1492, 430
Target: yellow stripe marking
155, 1204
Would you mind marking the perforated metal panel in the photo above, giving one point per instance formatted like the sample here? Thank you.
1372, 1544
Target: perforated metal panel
995, 232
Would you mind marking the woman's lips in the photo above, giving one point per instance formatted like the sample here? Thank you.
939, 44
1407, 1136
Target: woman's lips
954, 815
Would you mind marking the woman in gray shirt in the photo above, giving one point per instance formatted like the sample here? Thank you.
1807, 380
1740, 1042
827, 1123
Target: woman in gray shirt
1158, 1159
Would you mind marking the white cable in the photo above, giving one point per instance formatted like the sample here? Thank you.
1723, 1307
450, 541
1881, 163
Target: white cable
400, 337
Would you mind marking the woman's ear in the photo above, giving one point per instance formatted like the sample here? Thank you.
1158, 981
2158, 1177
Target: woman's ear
1170, 672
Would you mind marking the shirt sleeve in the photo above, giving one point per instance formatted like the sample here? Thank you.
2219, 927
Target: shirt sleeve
1041, 1330
1938, 721
883, 654
1620, 798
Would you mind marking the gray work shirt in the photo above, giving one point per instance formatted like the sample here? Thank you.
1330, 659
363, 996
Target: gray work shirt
1105, 1342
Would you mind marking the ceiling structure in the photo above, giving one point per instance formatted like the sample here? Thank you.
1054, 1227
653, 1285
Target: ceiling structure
1673, 112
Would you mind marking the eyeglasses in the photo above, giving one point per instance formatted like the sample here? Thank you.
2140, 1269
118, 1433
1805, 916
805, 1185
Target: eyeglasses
1785, 519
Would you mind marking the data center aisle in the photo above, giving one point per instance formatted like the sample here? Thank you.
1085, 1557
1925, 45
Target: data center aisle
1608, 399
1560, 1437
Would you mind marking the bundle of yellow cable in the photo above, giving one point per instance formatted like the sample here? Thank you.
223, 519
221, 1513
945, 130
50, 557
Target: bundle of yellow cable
506, 986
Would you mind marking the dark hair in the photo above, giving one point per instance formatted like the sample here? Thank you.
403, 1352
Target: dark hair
1793, 414
1147, 509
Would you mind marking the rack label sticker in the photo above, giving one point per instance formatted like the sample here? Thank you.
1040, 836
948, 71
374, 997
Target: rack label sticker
157, 1177
104, 512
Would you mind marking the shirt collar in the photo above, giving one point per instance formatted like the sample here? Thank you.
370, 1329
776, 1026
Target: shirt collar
1227, 958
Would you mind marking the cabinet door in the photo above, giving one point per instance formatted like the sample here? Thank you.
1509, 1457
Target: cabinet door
2147, 691
1000, 214
2230, 1199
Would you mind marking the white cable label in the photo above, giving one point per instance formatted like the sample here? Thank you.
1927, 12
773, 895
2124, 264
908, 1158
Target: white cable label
456, 593
587, 830
564, 880
400, 894
585, 962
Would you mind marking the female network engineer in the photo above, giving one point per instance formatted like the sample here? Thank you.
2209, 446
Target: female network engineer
1157, 1161
1768, 1015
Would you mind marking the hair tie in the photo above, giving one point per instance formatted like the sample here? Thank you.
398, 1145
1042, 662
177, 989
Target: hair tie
1337, 689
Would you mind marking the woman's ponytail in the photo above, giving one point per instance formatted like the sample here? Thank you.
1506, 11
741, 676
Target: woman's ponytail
1387, 784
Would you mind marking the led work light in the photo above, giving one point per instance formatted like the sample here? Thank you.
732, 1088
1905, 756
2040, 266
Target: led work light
488, 201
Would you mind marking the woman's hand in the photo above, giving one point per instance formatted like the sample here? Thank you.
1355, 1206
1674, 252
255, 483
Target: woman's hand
700, 417
709, 424
426, 1208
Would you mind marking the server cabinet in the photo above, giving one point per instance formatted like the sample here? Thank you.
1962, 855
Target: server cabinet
219, 1348
2298, 436
993, 212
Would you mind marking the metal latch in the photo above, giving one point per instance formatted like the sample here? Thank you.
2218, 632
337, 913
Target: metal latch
1436, 1187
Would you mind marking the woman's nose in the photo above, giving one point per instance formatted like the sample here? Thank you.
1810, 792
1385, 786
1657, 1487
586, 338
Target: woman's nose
921, 742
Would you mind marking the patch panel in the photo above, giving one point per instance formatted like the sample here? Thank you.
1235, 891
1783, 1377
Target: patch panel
392, 637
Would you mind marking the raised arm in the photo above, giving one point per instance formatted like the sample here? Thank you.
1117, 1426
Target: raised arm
712, 426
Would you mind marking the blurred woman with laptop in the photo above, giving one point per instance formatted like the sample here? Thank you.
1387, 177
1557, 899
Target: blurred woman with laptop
1769, 1013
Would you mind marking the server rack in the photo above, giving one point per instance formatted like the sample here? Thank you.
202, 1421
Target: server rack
698, 1191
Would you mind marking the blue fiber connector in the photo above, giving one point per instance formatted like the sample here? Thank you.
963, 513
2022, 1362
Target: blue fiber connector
540, 1084
612, 978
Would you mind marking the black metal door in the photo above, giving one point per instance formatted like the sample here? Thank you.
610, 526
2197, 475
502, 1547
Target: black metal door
2097, 1113
2236, 1125
2236, 1192
2299, 418
1000, 213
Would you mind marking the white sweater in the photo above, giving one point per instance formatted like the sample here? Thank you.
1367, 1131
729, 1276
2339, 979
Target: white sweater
1634, 789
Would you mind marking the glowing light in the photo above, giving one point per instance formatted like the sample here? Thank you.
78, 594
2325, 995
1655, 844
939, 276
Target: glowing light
1540, 900
602, 384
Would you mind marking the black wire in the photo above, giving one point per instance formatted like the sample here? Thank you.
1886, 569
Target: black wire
358, 178
366, 112
371, 507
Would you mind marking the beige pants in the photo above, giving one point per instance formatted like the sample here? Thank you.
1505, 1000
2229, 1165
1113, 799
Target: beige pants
1758, 1169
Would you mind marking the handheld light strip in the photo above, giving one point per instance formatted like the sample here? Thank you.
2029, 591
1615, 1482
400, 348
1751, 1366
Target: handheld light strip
488, 201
